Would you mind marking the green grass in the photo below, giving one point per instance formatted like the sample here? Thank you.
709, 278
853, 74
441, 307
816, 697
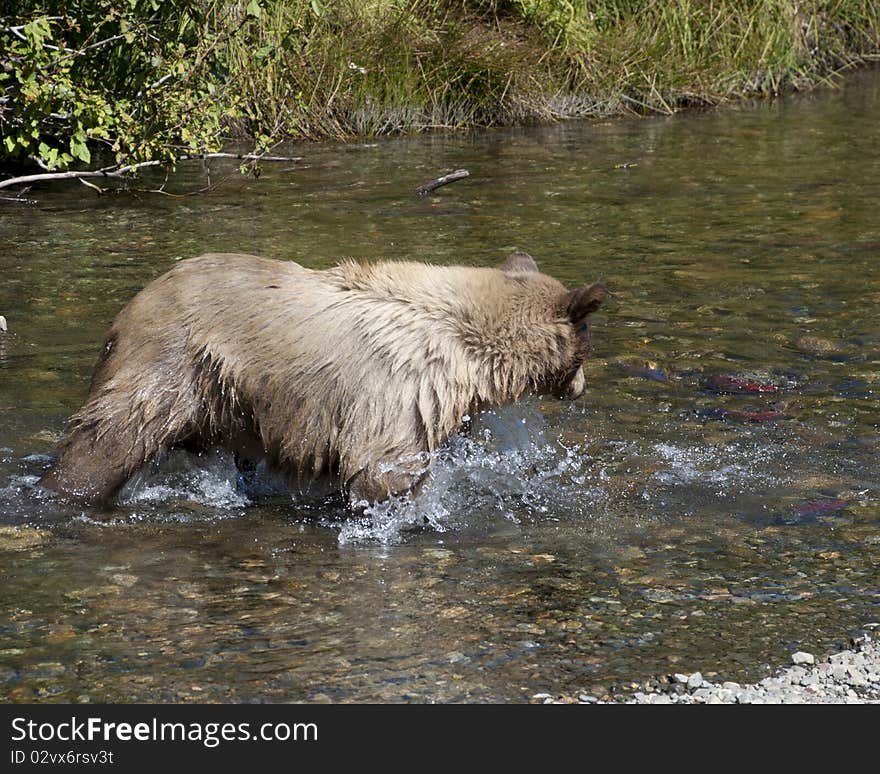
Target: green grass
390, 66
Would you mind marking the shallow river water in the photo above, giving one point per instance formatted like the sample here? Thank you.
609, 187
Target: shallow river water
712, 502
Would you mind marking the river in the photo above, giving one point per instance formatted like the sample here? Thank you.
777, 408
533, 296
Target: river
712, 502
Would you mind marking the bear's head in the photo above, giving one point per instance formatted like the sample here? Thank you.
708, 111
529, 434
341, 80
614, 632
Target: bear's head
570, 311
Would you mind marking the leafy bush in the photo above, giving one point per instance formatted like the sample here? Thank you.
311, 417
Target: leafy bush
145, 79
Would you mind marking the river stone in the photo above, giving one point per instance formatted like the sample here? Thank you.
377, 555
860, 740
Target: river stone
818, 346
857, 678
695, 681
21, 538
802, 657
846, 678
839, 673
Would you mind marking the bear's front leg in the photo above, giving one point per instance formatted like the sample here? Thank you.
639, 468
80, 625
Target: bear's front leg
385, 479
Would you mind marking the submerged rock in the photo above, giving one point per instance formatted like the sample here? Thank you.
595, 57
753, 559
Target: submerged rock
820, 347
21, 538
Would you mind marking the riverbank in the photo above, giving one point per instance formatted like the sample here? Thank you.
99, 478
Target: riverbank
849, 676
184, 79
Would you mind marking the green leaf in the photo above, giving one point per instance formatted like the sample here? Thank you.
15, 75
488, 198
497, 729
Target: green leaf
253, 9
79, 149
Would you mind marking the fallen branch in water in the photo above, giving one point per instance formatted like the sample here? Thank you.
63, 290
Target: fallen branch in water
123, 172
19, 199
459, 174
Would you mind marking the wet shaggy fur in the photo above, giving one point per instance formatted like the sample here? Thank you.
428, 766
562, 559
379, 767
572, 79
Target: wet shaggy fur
362, 370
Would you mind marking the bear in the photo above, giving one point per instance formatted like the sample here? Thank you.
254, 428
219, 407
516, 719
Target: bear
360, 371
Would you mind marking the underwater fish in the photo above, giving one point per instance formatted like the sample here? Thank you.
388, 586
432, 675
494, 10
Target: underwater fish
721, 383
753, 416
819, 507
742, 416
646, 370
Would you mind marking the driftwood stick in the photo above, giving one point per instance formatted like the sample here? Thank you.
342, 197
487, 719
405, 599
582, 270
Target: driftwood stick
19, 200
94, 187
120, 172
459, 174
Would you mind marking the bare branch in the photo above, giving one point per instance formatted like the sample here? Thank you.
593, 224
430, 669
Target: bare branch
70, 52
19, 200
459, 174
124, 171
94, 187
22, 26
244, 157
17, 31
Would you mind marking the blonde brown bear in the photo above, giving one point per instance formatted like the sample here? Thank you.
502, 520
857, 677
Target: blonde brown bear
361, 371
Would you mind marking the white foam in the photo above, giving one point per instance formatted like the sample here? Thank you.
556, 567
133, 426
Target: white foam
730, 464
210, 480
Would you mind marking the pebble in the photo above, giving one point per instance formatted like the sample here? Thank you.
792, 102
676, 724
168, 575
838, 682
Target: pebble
695, 681
839, 673
802, 657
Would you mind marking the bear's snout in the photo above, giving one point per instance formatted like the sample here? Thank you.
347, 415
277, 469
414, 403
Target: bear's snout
574, 387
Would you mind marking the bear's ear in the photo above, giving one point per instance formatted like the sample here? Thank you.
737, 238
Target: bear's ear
586, 299
519, 261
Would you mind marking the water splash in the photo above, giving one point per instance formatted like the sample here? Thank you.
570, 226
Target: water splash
209, 480
710, 464
510, 470
505, 469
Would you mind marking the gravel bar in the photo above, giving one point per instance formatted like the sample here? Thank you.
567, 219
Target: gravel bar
848, 677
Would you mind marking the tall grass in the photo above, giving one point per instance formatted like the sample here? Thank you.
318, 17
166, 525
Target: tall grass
363, 68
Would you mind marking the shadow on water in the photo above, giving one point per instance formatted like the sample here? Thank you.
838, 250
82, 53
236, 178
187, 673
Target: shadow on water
711, 503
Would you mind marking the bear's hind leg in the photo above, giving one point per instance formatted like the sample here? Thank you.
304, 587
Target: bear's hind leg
123, 424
